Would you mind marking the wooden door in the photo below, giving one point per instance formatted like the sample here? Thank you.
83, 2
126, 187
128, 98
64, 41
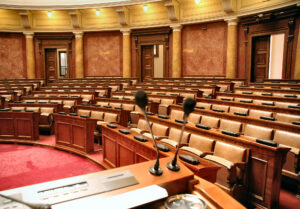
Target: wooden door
51, 64
147, 62
260, 58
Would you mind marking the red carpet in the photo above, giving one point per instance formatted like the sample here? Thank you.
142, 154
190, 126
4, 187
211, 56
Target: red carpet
23, 165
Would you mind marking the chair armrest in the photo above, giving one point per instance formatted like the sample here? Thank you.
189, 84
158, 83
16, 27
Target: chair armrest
133, 126
183, 144
143, 132
206, 153
241, 165
161, 137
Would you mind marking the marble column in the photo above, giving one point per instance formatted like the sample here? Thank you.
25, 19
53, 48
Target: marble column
176, 61
232, 44
297, 64
30, 55
79, 55
126, 53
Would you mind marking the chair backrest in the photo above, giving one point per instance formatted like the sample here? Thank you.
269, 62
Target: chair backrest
43, 100
262, 102
29, 101
259, 113
102, 103
210, 121
258, 132
225, 98
167, 101
243, 99
157, 100
97, 115
238, 109
87, 96
194, 118
83, 112
159, 130
284, 104
187, 95
229, 125
47, 109
18, 108
129, 107
69, 102
174, 135
110, 117
176, 114
230, 152
57, 101
287, 138
288, 118
142, 125
114, 104
34, 109
201, 143
220, 107
205, 105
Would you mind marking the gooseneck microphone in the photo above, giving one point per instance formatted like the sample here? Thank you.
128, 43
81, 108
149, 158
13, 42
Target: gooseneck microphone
31, 205
142, 100
188, 107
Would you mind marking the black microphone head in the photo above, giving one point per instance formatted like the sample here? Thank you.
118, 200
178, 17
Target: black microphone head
141, 99
189, 105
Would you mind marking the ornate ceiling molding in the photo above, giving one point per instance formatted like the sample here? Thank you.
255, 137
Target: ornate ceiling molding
173, 9
75, 17
123, 15
25, 18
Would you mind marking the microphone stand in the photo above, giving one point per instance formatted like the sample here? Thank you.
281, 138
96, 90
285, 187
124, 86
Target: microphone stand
31, 205
173, 166
154, 170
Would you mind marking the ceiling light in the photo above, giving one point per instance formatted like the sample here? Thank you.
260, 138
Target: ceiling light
98, 12
49, 14
197, 1
145, 8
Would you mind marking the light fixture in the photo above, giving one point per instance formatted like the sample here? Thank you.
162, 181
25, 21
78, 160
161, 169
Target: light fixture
49, 14
145, 8
197, 1
98, 12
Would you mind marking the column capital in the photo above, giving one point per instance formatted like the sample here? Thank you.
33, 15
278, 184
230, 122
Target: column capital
28, 34
78, 34
232, 20
176, 27
125, 31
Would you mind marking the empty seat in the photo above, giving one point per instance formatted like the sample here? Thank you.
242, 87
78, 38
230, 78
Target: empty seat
287, 118
97, 115
210, 121
56, 101
18, 108
129, 107
153, 99
199, 145
141, 126
229, 125
258, 132
285, 104
220, 107
233, 160
68, 105
225, 98
114, 105
29, 101
158, 131
87, 98
34, 109
176, 114
84, 112
164, 108
234, 110
194, 118
290, 140
263, 102
43, 101
46, 119
207, 92
174, 136
109, 118
102, 103
243, 100
259, 113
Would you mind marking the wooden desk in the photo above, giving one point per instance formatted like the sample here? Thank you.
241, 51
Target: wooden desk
265, 163
74, 132
19, 125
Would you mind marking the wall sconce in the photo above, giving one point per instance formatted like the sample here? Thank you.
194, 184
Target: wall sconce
145, 8
98, 12
197, 1
49, 14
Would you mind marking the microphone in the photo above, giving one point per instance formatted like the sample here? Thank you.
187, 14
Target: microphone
188, 107
141, 100
31, 205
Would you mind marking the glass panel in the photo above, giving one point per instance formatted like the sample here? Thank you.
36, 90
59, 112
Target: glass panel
62, 63
276, 56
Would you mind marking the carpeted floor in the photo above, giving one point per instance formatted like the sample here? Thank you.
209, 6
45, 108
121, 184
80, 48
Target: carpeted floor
23, 165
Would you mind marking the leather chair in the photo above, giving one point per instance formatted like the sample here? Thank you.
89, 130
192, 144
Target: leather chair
164, 107
258, 132
114, 104
229, 125
284, 104
233, 161
29, 101
194, 118
141, 126
102, 103
220, 107
176, 114
238, 110
187, 95
84, 112
109, 118
99, 117
206, 106
199, 146
259, 113
287, 118
207, 92
87, 98
57, 101
159, 131
8, 97
101, 92
34, 109
68, 106
129, 107
174, 136
156, 100
18, 108
43, 101
263, 102
134, 115
46, 119
225, 98
291, 167
210, 121
237, 99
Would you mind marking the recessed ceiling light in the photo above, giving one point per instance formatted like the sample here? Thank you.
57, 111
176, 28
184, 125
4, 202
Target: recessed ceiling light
98, 12
145, 8
49, 14
197, 1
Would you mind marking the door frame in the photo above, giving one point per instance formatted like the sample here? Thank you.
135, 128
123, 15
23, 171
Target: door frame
151, 36
45, 62
142, 73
